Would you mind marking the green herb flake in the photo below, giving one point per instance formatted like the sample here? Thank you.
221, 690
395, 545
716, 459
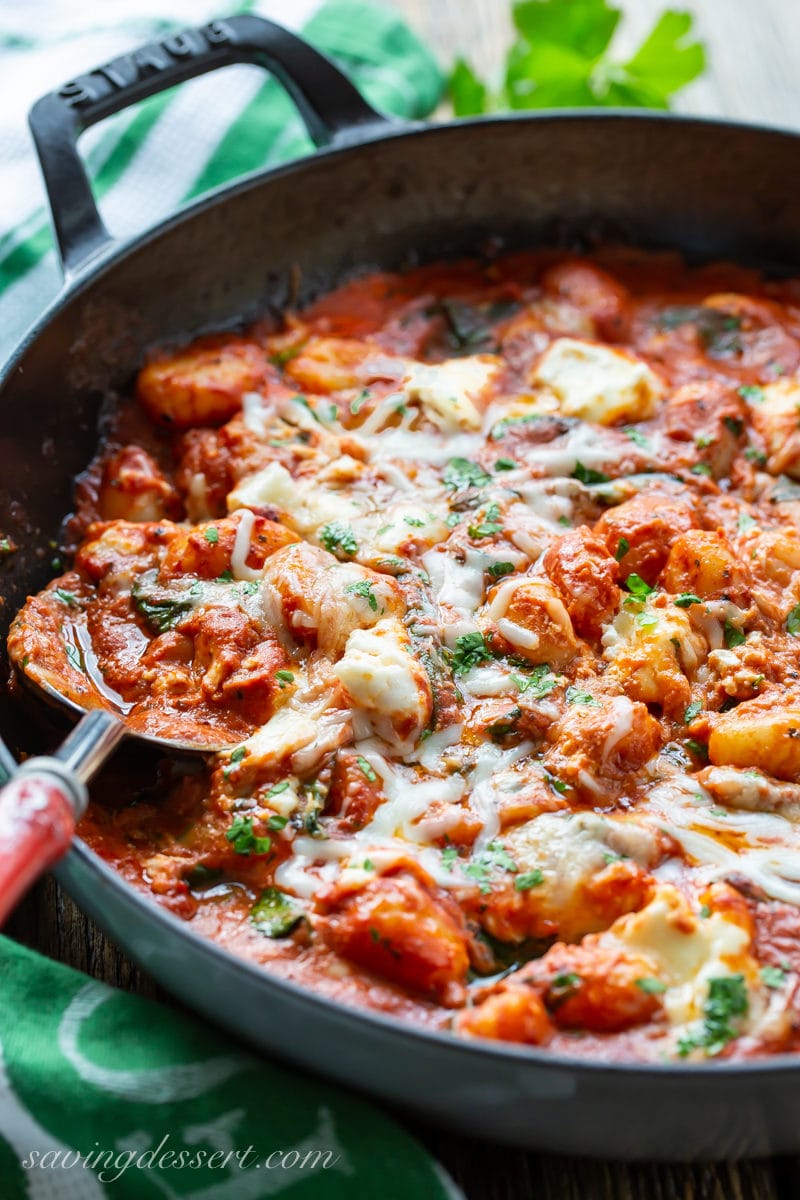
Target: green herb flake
244, 840
623, 546
461, 473
505, 464
363, 588
793, 621
338, 538
686, 599
499, 569
588, 476
366, 769
357, 404
211, 535
449, 857
489, 525
772, 977
699, 749
73, 656
528, 880
653, 987
692, 711
284, 677
471, 650
276, 822
275, 914
752, 393
638, 587
576, 695
66, 598
733, 635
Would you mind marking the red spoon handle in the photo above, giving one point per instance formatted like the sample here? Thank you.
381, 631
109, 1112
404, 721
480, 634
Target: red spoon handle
37, 823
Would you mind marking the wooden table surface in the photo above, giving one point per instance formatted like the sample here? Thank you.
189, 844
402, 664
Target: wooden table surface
754, 48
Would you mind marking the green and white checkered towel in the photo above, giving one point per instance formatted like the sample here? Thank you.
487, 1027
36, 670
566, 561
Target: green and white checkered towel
149, 160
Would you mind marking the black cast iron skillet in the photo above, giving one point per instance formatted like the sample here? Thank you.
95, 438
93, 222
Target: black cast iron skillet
376, 194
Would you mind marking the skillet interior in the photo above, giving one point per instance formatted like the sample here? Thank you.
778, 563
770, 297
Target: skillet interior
707, 188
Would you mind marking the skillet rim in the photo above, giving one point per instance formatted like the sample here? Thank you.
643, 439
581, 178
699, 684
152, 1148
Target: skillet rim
94, 269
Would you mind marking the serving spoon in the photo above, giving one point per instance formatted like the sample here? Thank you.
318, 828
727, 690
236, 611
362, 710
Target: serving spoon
46, 796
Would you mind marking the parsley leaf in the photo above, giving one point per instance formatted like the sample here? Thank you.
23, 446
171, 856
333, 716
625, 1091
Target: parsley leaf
686, 599
363, 588
337, 537
793, 621
623, 546
586, 475
244, 841
470, 651
562, 58
461, 473
638, 587
530, 879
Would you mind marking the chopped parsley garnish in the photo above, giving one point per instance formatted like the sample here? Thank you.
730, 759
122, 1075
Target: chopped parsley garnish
623, 546
366, 770
539, 683
528, 880
745, 522
588, 476
752, 393
793, 621
564, 984
161, 610
754, 455
355, 405
461, 473
638, 587
499, 569
284, 677
449, 857
727, 999
558, 785
250, 588
276, 821
363, 588
652, 986
505, 464
637, 437
733, 635
700, 749
244, 840
66, 598
701, 469
416, 522
471, 650
275, 914
337, 537
686, 599
211, 535
773, 977
277, 788
73, 656
225, 577
237, 754
576, 695
489, 525
692, 711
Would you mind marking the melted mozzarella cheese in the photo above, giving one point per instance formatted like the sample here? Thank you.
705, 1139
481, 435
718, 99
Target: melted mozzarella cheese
383, 679
597, 383
450, 392
687, 950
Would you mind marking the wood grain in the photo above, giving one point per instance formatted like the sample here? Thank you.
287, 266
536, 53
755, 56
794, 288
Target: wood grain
754, 50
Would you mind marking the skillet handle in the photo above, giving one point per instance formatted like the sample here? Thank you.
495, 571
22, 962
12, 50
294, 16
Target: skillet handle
333, 110
38, 810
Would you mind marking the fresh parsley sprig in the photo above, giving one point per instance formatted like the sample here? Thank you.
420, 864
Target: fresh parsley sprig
562, 58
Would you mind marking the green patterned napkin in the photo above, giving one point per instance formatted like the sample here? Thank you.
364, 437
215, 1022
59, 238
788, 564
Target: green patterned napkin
147, 161
104, 1094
